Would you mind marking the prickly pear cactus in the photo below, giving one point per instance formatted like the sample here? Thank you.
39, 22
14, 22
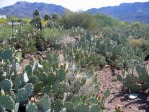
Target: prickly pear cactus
7, 54
32, 108
81, 108
6, 102
94, 108
44, 104
6, 85
24, 92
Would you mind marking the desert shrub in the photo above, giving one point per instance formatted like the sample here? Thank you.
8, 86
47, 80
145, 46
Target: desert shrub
52, 36
3, 21
5, 32
104, 20
137, 42
78, 19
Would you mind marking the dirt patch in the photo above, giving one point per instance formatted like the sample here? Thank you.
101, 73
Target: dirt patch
119, 97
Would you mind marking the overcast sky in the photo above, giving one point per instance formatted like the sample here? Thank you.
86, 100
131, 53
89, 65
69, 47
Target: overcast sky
76, 5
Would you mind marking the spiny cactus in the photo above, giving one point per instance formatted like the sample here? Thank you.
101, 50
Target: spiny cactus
61, 74
6, 85
7, 54
94, 108
44, 104
24, 92
81, 108
6, 102
32, 108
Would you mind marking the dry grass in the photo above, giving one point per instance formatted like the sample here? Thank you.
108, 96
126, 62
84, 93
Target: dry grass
137, 42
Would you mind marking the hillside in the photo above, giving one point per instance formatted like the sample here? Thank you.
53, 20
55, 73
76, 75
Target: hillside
26, 9
130, 12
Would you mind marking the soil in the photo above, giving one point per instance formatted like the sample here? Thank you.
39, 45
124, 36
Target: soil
119, 95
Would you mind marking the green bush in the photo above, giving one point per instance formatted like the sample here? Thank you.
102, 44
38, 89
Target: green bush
78, 19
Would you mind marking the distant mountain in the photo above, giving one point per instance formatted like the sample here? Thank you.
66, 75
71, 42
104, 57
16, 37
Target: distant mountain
130, 12
26, 9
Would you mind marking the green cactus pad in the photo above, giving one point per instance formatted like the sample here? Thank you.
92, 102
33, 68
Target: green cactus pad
94, 108
45, 103
68, 106
2, 109
93, 100
107, 93
28, 70
7, 54
21, 95
90, 73
58, 105
134, 88
7, 102
33, 79
29, 89
51, 79
61, 74
144, 78
119, 78
24, 93
43, 77
75, 100
128, 79
6, 85
32, 108
145, 86
49, 58
81, 108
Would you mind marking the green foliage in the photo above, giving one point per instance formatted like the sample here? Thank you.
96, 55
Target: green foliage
5, 33
79, 19
36, 21
104, 20
3, 21
52, 36
47, 17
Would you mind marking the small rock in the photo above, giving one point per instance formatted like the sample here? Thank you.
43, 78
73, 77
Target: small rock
132, 96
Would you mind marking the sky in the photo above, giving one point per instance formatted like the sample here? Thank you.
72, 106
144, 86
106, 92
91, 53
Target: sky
75, 5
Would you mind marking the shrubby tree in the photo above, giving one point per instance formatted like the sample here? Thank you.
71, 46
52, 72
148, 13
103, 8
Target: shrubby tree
47, 17
36, 20
55, 17
136, 25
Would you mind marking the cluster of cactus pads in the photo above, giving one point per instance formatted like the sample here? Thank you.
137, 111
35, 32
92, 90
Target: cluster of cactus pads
48, 85
135, 81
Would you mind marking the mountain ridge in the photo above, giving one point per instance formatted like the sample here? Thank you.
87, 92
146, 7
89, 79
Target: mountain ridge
129, 12
26, 9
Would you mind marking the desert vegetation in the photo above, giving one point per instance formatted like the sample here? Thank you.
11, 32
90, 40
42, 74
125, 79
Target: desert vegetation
51, 63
